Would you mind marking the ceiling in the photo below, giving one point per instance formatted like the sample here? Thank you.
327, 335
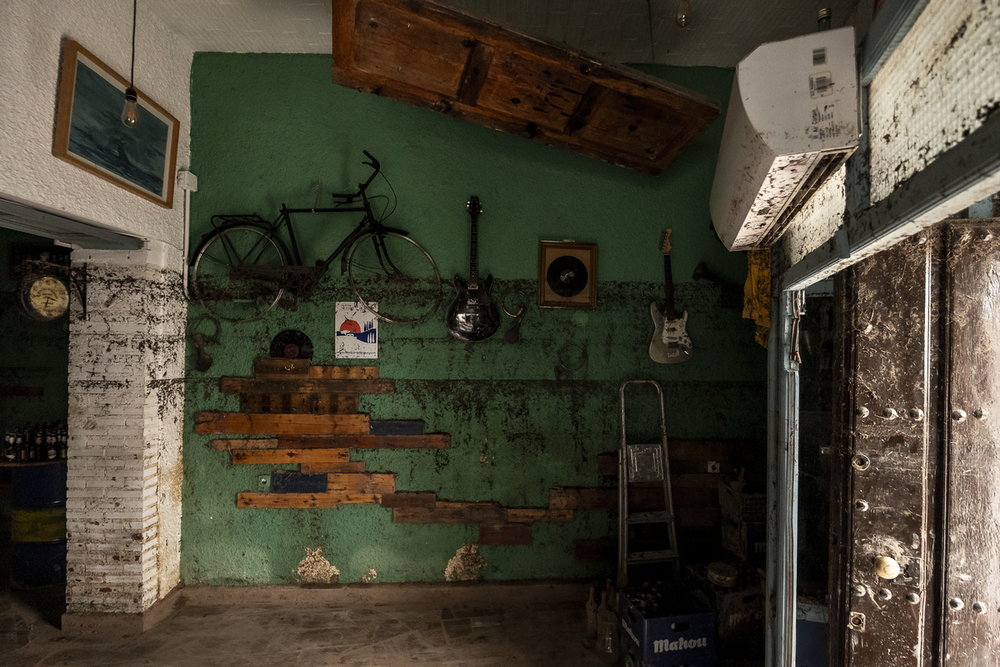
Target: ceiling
719, 33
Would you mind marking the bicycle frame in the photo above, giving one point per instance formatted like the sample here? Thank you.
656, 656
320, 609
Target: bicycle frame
344, 203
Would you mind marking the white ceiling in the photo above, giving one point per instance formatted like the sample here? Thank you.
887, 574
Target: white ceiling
720, 32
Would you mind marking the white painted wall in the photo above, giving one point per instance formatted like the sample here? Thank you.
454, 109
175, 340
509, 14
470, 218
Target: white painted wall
31, 34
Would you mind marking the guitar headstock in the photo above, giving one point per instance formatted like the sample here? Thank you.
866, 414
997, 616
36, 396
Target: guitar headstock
665, 245
474, 207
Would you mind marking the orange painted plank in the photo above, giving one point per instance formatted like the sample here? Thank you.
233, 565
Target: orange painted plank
537, 515
242, 423
286, 500
244, 443
295, 403
448, 512
365, 441
278, 367
347, 466
286, 456
366, 482
427, 499
344, 372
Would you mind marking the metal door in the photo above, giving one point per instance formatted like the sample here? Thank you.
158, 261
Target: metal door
918, 460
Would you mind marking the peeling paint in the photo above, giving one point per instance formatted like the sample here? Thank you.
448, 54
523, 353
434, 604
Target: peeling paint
465, 565
314, 569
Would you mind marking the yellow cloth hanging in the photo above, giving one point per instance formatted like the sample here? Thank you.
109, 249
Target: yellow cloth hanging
757, 292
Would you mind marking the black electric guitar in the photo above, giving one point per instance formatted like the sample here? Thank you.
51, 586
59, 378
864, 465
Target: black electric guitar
473, 315
670, 343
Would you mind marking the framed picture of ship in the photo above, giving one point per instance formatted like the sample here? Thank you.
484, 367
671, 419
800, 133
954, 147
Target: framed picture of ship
89, 132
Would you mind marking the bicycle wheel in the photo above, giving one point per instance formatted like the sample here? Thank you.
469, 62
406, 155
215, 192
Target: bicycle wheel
394, 277
226, 293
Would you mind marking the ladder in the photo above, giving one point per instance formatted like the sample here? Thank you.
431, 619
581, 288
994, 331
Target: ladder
643, 464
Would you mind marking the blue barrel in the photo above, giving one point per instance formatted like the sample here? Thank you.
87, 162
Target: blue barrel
38, 524
37, 486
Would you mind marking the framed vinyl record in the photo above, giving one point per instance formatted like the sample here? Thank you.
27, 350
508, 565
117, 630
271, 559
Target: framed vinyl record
567, 275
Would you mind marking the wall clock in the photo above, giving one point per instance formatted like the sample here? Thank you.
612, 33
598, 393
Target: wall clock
44, 297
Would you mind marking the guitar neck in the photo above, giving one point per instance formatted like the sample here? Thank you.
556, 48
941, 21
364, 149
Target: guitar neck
474, 250
668, 290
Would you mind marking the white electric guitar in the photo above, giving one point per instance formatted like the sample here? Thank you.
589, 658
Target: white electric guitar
670, 343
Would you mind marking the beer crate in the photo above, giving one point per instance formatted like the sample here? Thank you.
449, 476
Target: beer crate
665, 626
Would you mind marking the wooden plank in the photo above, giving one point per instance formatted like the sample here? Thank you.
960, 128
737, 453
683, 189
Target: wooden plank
354, 498
367, 441
287, 456
275, 367
317, 404
578, 498
426, 499
537, 515
305, 385
366, 482
286, 481
241, 423
439, 58
508, 533
344, 372
346, 466
286, 500
244, 443
450, 512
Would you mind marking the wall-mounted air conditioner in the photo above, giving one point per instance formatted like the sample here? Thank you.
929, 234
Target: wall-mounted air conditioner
791, 123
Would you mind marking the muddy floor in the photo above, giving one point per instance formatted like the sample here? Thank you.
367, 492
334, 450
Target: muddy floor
364, 626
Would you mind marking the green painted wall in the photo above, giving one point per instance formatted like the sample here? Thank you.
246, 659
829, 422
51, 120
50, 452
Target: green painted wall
266, 129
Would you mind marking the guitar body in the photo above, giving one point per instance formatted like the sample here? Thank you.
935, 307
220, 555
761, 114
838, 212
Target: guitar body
473, 315
670, 343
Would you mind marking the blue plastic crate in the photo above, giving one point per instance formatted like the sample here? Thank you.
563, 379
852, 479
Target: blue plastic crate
666, 626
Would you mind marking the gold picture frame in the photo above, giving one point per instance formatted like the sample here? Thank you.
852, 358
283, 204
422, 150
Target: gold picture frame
567, 275
89, 132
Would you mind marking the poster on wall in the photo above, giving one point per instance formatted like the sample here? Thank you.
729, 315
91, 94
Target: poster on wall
357, 331
89, 132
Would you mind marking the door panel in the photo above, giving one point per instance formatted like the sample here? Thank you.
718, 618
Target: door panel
972, 560
920, 473
892, 327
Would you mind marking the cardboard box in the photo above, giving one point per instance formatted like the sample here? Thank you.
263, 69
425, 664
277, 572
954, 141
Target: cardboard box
666, 625
746, 539
739, 610
738, 507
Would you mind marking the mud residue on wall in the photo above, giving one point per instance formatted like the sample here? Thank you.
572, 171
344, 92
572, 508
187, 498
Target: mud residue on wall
465, 565
314, 569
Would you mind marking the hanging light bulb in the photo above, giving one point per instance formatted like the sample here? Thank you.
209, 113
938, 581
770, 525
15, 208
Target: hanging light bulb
683, 13
130, 112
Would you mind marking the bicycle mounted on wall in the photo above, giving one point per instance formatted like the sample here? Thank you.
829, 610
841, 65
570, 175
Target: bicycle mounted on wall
242, 268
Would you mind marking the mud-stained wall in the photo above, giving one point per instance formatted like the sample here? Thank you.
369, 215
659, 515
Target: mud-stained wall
517, 426
125, 420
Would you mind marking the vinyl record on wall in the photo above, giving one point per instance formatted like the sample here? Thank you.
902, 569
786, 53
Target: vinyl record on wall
291, 344
567, 275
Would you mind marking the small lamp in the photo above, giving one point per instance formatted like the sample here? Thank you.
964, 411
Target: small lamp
683, 13
130, 112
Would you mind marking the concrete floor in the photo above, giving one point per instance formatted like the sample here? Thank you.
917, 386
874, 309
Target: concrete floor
383, 625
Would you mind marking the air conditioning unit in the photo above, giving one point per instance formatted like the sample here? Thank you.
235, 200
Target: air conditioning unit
792, 122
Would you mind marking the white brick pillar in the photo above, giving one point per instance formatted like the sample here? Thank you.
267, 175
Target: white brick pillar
126, 411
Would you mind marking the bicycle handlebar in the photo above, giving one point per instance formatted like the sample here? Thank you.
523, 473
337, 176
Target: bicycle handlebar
374, 165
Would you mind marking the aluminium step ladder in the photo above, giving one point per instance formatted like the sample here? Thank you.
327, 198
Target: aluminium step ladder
644, 464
